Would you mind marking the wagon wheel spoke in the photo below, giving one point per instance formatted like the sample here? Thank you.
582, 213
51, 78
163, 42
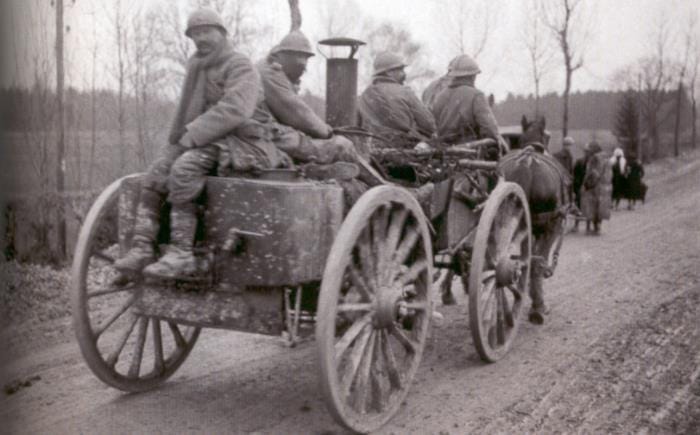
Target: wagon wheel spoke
121, 342
376, 389
359, 283
390, 359
413, 272
407, 245
517, 241
398, 220
135, 367
99, 331
356, 354
350, 335
108, 291
401, 336
180, 341
500, 317
487, 275
158, 360
517, 294
363, 375
367, 260
508, 230
486, 293
354, 307
380, 221
508, 309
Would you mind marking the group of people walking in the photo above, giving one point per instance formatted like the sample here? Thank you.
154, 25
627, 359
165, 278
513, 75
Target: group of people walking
599, 182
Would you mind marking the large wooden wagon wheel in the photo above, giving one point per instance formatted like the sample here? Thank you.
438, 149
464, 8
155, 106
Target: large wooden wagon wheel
374, 308
499, 273
123, 349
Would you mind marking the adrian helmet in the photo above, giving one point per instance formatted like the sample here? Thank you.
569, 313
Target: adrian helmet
204, 17
386, 61
463, 65
294, 41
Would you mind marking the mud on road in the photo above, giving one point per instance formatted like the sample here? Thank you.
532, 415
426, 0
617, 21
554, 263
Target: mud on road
620, 352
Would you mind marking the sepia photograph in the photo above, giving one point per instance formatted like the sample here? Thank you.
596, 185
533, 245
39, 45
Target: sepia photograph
349, 216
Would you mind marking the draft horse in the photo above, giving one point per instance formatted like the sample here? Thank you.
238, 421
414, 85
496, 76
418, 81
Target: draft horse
546, 185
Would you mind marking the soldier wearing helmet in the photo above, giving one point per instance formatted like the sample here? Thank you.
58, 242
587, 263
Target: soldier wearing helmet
436, 87
212, 121
292, 125
390, 109
462, 111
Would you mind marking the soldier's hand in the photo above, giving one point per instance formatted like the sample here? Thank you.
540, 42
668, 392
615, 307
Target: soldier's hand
328, 133
187, 141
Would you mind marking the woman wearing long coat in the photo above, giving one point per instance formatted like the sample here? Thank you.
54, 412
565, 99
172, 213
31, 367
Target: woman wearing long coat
596, 192
619, 176
636, 188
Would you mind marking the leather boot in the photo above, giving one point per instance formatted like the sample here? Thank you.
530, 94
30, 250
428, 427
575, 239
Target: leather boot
179, 261
145, 232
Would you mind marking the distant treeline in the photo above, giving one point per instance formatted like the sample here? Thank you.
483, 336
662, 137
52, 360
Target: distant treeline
588, 110
19, 108
594, 110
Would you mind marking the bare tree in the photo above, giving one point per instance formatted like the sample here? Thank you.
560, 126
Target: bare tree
391, 37
685, 59
652, 77
569, 27
468, 26
537, 45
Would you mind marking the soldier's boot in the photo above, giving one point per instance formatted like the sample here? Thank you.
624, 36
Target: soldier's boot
141, 253
179, 261
538, 309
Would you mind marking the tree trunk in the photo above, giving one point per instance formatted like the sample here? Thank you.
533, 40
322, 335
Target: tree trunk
60, 149
676, 129
565, 116
295, 14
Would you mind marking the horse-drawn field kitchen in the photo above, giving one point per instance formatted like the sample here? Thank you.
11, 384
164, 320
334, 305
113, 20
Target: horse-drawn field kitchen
260, 216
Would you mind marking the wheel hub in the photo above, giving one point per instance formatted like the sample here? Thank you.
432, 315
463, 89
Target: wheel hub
387, 307
507, 271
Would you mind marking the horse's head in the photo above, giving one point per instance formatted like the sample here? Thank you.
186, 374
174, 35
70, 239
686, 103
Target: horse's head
534, 133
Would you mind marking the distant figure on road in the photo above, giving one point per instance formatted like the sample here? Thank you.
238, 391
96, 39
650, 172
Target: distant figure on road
619, 176
636, 188
565, 157
596, 188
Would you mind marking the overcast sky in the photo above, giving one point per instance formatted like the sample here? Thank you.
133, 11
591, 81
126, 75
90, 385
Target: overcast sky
621, 32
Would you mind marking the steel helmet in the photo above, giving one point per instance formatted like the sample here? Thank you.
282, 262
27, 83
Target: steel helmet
294, 41
386, 61
463, 65
204, 17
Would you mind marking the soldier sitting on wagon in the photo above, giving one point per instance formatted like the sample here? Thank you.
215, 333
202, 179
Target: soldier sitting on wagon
213, 120
293, 126
462, 112
391, 110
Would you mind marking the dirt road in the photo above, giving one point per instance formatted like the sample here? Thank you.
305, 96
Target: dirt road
620, 352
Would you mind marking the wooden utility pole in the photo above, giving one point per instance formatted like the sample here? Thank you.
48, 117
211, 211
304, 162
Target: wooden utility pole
60, 149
